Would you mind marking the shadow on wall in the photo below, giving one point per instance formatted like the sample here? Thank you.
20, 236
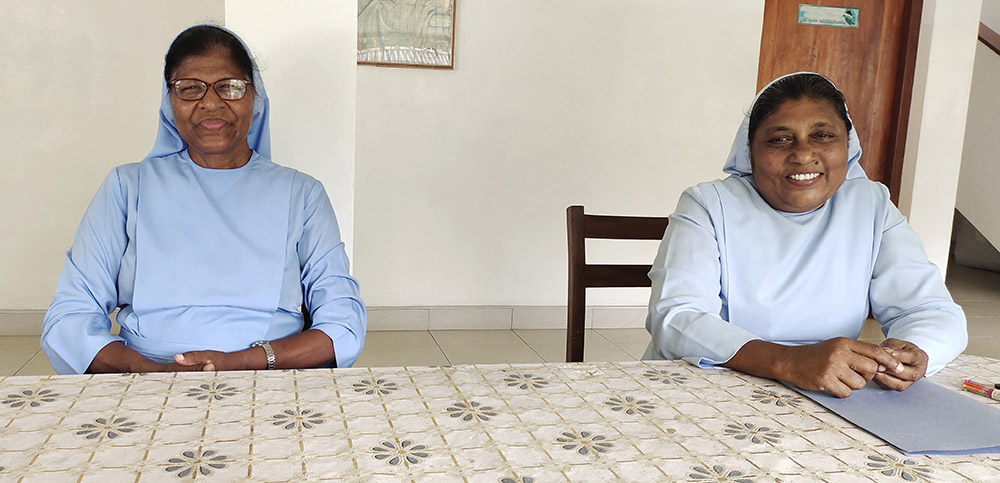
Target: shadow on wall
970, 248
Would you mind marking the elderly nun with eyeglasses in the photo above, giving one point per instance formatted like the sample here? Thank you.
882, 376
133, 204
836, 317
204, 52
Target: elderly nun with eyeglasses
211, 252
772, 271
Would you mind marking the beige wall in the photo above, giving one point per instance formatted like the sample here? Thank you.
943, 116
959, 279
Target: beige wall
464, 176
978, 185
933, 157
991, 14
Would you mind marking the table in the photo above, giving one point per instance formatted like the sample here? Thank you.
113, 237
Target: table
639, 421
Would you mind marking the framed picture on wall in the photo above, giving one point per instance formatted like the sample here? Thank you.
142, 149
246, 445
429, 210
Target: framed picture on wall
407, 33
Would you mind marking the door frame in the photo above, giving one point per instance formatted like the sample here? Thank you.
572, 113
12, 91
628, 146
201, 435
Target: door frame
903, 94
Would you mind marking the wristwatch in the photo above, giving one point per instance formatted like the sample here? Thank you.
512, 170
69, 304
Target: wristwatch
266, 345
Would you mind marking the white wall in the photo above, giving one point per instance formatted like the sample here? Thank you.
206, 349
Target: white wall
978, 185
464, 176
79, 93
307, 51
948, 32
990, 14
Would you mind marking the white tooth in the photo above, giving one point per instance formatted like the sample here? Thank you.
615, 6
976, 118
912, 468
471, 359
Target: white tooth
804, 177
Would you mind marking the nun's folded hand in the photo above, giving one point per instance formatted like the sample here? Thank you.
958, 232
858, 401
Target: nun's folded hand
914, 362
839, 365
205, 361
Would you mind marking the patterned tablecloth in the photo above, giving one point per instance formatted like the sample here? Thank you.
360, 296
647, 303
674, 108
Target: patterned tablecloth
640, 421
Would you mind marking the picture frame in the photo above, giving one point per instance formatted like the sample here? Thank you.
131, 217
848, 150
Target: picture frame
407, 33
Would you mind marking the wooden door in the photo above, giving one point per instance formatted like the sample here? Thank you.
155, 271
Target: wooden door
871, 64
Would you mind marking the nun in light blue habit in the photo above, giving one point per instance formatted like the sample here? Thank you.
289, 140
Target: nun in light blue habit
203, 259
733, 268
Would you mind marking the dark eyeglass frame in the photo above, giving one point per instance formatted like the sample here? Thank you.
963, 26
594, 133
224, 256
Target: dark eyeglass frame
174, 86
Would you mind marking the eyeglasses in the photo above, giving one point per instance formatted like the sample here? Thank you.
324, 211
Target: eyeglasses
194, 89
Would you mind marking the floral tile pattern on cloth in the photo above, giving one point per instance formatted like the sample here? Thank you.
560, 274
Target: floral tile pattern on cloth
298, 419
107, 427
765, 396
396, 453
192, 462
32, 398
213, 391
629, 405
375, 386
525, 381
468, 411
522, 423
905, 468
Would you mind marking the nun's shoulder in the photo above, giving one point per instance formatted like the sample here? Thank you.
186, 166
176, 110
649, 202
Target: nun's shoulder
865, 192
127, 172
126, 175
300, 180
305, 188
721, 191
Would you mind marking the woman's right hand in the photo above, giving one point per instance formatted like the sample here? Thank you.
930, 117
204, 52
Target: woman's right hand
837, 366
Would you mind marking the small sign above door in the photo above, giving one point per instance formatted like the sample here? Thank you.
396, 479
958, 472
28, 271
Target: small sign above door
828, 16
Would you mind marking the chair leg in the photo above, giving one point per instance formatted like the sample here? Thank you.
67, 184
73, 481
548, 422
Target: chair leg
575, 329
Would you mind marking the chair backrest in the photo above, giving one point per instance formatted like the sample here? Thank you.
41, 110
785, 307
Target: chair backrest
307, 320
581, 226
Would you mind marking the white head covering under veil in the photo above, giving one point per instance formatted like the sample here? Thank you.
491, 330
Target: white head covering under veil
169, 141
738, 163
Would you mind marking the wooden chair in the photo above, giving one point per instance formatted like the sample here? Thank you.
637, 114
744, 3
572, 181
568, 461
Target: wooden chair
307, 320
579, 227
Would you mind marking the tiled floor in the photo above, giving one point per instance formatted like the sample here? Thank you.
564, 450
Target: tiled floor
978, 292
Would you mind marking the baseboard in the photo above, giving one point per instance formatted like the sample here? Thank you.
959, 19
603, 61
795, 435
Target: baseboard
21, 322
29, 322
499, 317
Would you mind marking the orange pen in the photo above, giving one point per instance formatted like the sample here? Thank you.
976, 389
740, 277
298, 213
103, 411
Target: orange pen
981, 389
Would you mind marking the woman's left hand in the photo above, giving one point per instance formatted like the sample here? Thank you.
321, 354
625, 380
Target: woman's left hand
914, 365
205, 361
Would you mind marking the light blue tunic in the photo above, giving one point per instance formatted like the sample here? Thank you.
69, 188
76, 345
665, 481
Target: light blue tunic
184, 251
731, 269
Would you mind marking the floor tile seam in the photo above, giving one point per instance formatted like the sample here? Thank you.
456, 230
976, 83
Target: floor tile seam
439, 348
519, 342
25, 364
403, 344
532, 348
625, 351
540, 356
621, 342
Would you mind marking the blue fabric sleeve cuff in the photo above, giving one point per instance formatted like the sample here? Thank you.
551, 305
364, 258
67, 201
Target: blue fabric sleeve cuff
346, 344
703, 362
71, 346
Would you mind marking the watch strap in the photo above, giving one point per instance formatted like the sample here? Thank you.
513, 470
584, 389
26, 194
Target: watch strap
266, 345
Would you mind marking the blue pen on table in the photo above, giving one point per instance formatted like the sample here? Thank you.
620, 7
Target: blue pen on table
982, 390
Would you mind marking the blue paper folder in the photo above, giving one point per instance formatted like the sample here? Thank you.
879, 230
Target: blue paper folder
924, 419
